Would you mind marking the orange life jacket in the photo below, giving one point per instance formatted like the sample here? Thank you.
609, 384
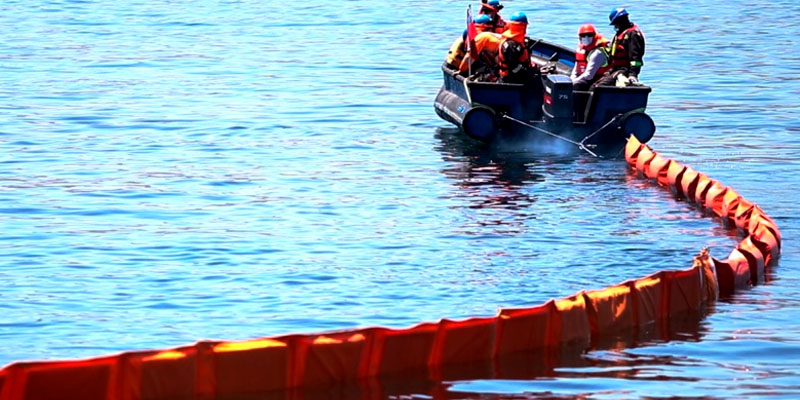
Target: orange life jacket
513, 66
499, 25
486, 46
516, 31
583, 54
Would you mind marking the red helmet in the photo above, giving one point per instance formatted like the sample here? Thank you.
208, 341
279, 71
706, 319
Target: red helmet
587, 29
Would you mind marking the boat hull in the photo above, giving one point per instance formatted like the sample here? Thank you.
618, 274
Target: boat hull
546, 112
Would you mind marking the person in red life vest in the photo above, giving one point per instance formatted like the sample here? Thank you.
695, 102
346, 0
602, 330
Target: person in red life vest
591, 58
492, 9
458, 49
626, 50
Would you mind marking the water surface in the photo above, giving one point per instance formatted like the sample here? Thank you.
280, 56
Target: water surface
176, 171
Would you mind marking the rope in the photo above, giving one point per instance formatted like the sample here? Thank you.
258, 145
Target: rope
536, 128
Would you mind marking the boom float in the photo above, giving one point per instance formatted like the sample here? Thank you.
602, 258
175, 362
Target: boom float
273, 367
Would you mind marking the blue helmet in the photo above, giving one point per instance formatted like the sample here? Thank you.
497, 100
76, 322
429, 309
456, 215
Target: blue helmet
617, 13
483, 19
519, 17
492, 4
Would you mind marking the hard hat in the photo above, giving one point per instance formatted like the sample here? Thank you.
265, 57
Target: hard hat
519, 17
483, 19
587, 29
617, 13
495, 4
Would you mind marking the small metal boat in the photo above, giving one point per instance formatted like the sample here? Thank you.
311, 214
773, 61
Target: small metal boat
546, 112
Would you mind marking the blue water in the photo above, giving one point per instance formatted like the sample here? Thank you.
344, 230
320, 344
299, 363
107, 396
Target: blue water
176, 171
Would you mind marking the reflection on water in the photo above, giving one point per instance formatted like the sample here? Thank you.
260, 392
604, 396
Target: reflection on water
616, 360
489, 179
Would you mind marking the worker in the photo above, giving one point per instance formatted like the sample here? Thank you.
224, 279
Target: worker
591, 57
483, 67
626, 51
514, 63
457, 51
517, 27
492, 9
459, 47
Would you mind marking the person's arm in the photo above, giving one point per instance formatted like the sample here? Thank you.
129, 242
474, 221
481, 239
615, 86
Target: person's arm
596, 61
636, 52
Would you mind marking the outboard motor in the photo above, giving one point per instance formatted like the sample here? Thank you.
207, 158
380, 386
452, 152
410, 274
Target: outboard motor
558, 103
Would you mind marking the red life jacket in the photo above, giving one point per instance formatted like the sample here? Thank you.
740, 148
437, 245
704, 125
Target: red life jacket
583, 54
619, 54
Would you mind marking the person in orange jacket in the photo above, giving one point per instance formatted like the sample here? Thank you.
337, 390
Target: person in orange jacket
514, 63
515, 59
486, 46
492, 9
517, 28
502, 57
591, 57
458, 49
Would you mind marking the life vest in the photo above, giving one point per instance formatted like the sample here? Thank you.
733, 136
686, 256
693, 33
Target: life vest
486, 46
456, 54
499, 25
619, 54
511, 57
516, 31
583, 54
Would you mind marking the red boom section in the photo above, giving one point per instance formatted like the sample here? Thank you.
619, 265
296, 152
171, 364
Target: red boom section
249, 369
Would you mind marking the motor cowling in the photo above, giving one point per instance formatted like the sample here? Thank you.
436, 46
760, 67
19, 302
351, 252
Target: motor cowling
557, 104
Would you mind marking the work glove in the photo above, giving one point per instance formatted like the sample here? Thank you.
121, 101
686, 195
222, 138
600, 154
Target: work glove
634, 81
622, 80
548, 69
